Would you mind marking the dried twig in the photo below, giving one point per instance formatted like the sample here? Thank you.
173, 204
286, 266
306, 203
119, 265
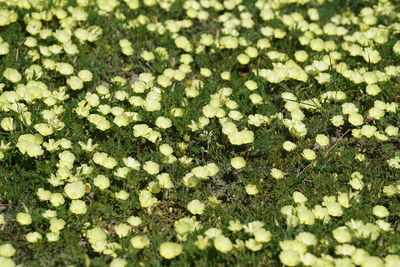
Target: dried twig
337, 141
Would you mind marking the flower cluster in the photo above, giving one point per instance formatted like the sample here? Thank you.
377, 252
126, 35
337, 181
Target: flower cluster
156, 128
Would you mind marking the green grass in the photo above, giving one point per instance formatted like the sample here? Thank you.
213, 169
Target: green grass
21, 176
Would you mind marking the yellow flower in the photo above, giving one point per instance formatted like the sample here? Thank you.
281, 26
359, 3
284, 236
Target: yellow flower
337, 120
7, 250
191, 92
253, 244
305, 215
190, 180
301, 56
70, 49
356, 119
380, 211
356, 183
241, 137
43, 128
196, 207
202, 242
200, 172
117, 262
184, 226
256, 99
372, 261
209, 111
376, 113
384, 226
102, 90
321, 213
251, 85
343, 199
261, 235
334, 209
164, 181
322, 140
75, 82
299, 198
251, 189
154, 187
75, 190
6, 262
101, 181
164, 81
99, 246
166, 149
134, 221
146, 55
33, 237
238, 163
12, 75
371, 56
251, 52
235, 226
62, 36
7, 124
392, 130
389, 190
151, 167
309, 154
131, 163
289, 257
24, 218
124, 43
96, 234
306, 238
226, 75
163, 122
277, 174
289, 146
368, 130
214, 202
104, 160
342, 235
257, 119
56, 225
43, 194
205, 72
122, 172
4, 48
213, 232
356, 133
78, 206
103, 124
169, 250
349, 108
317, 44
392, 260
223, 244
308, 259
396, 47
263, 43
183, 43
64, 68
140, 241
243, 59
345, 249
57, 199
122, 194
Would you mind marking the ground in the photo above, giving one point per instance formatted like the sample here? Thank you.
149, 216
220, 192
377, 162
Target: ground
206, 133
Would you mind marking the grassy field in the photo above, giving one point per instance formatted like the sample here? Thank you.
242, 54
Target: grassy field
199, 133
